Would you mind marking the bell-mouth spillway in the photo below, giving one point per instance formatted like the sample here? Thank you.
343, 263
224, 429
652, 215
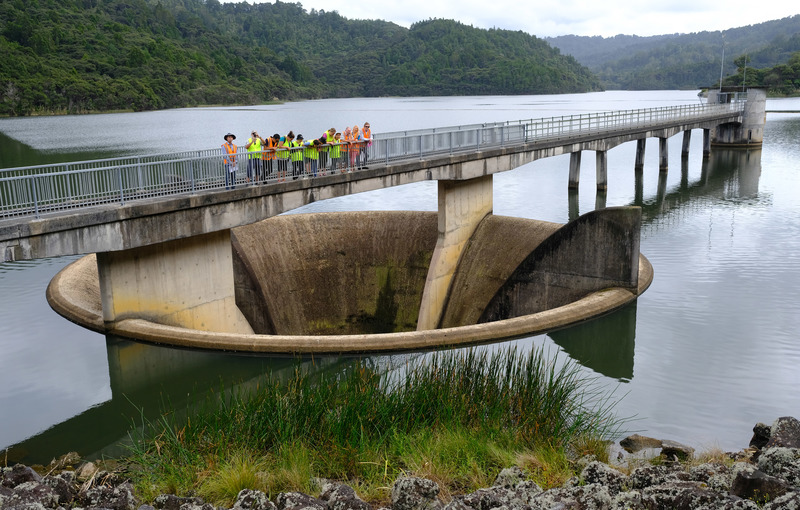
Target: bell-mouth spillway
352, 282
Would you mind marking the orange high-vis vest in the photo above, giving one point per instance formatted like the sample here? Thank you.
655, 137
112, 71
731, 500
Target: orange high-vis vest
268, 152
231, 150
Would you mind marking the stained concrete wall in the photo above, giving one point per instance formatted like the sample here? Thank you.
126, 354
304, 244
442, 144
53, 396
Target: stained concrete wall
186, 283
335, 273
462, 206
596, 251
498, 246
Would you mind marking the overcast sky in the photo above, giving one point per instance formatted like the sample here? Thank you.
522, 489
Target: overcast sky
544, 18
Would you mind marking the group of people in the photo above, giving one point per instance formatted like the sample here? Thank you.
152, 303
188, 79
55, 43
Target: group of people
291, 156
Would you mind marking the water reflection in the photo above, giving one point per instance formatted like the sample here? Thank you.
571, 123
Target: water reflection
148, 380
605, 344
727, 174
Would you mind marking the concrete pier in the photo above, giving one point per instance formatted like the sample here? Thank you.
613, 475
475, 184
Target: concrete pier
462, 206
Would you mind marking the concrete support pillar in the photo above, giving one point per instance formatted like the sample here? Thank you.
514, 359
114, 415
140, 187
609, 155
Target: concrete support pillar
687, 138
462, 205
185, 283
663, 155
602, 170
640, 146
574, 169
706, 142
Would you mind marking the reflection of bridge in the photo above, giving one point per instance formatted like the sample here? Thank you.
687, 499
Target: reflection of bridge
165, 215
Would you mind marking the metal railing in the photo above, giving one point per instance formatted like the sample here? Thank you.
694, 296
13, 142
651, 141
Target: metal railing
35, 190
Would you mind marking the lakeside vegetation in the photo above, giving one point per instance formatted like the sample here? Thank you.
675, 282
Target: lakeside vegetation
456, 417
77, 56
690, 60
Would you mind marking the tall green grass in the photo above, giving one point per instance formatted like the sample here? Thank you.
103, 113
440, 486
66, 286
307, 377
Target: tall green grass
457, 417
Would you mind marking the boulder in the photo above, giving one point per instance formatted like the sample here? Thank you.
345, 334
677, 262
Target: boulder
585, 497
684, 496
605, 475
119, 497
342, 497
299, 501
249, 499
758, 486
411, 493
635, 443
785, 432
510, 477
675, 451
172, 502
761, 433
18, 474
781, 462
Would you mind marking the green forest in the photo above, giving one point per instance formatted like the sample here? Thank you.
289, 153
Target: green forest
75, 56
693, 60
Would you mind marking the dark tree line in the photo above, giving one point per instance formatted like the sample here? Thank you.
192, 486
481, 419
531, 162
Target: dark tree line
102, 55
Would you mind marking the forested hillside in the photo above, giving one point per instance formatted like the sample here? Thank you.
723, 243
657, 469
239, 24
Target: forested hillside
682, 60
100, 55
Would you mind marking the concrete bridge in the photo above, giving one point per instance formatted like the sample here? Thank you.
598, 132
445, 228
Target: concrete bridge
167, 214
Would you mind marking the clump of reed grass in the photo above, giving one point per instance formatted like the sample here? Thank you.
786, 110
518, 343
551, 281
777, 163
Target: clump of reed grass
458, 417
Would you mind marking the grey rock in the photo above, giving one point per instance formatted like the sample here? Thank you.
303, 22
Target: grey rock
510, 477
113, 498
146, 507
631, 500
33, 493
781, 462
758, 486
605, 475
411, 493
18, 474
484, 499
172, 502
673, 449
635, 443
299, 501
342, 497
647, 476
785, 432
761, 433
67, 460
683, 496
586, 497
249, 499
789, 501
63, 486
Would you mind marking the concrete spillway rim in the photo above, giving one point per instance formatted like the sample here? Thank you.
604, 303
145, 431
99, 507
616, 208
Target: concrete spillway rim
61, 289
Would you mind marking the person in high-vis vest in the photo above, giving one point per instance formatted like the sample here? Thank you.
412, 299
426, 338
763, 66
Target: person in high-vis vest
253, 157
296, 156
336, 152
311, 155
366, 134
229, 150
348, 148
324, 149
284, 144
355, 148
268, 155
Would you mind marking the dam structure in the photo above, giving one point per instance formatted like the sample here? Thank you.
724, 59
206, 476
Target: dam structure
174, 258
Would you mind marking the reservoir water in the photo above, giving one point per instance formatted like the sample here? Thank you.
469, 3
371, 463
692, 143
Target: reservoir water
708, 351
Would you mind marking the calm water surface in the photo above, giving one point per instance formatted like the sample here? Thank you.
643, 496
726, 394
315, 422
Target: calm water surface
709, 350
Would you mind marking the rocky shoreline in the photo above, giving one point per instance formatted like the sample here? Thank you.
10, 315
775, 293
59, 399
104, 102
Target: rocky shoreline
764, 476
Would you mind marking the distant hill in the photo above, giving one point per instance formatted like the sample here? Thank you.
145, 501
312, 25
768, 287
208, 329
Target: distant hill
681, 61
100, 55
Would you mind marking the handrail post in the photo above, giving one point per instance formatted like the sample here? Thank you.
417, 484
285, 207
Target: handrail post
35, 196
191, 175
121, 191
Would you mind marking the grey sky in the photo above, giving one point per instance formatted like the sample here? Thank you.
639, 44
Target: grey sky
581, 17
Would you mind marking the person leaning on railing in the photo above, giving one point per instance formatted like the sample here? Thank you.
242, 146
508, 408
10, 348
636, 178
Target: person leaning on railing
229, 160
253, 157
336, 151
296, 155
268, 155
